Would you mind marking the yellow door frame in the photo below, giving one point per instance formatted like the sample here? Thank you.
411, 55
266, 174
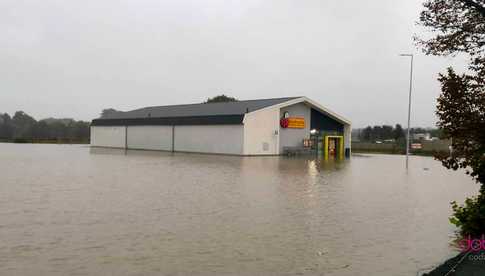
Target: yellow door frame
340, 146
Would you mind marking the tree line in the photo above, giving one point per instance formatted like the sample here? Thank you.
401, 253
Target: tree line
384, 132
387, 132
22, 127
220, 99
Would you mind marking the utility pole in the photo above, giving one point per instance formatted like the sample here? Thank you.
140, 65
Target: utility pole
409, 106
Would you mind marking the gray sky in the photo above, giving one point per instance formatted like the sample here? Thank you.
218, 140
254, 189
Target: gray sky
73, 58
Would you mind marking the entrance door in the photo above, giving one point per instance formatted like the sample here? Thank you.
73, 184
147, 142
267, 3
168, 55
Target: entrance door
333, 147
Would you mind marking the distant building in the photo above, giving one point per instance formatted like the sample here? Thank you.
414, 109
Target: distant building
421, 136
253, 127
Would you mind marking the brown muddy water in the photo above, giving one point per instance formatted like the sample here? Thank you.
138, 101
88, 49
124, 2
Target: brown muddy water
72, 210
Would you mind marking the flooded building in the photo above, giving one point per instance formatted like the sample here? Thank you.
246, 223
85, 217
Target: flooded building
253, 127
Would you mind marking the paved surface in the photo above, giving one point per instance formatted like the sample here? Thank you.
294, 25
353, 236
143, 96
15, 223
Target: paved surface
471, 265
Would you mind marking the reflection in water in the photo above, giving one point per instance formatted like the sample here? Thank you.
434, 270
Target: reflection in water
93, 211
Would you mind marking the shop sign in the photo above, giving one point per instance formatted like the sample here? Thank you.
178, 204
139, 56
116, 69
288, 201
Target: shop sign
292, 122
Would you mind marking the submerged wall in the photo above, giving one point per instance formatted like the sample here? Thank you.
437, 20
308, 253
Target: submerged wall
108, 136
150, 137
222, 139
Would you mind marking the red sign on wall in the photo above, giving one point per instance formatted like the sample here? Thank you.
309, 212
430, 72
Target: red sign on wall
292, 122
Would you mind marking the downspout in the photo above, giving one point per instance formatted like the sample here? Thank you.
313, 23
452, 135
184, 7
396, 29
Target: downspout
173, 138
126, 137
278, 134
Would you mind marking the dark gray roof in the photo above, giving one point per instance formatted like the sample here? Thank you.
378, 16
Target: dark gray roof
194, 110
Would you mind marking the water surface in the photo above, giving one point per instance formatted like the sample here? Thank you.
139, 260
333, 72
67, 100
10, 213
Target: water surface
72, 210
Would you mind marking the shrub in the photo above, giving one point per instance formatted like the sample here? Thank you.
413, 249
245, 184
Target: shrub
470, 217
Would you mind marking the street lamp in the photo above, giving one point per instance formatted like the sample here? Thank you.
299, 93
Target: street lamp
409, 105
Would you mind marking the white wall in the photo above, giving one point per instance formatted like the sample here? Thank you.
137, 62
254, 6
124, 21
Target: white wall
293, 137
224, 139
108, 136
150, 137
259, 132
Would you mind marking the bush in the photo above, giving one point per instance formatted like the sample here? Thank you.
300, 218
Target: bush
470, 217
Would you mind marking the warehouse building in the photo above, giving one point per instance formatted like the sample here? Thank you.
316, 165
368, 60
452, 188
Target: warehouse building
253, 127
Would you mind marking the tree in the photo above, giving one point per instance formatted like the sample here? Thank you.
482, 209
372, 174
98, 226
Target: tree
23, 125
383, 132
460, 28
398, 133
366, 134
418, 130
376, 133
387, 132
461, 113
78, 129
6, 126
221, 98
436, 132
108, 111
41, 130
58, 130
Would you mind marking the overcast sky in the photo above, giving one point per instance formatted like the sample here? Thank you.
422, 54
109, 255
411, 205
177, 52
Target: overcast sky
73, 58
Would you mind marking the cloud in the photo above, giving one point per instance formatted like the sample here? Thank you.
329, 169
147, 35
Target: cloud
72, 59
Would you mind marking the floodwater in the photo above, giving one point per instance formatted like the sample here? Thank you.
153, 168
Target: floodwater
73, 210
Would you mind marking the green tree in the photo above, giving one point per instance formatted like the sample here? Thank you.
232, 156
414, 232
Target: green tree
78, 130
398, 133
366, 134
6, 126
23, 128
436, 132
377, 132
23, 125
58, 130
108, 111
221, 98
461, 113
459, 26
387, 132
41, 130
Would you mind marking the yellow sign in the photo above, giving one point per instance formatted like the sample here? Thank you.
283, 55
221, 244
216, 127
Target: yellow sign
296, 122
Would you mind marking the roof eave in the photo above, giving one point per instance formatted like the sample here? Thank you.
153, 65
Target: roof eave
314, 105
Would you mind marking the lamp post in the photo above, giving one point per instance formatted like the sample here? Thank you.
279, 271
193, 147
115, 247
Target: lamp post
409, 105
